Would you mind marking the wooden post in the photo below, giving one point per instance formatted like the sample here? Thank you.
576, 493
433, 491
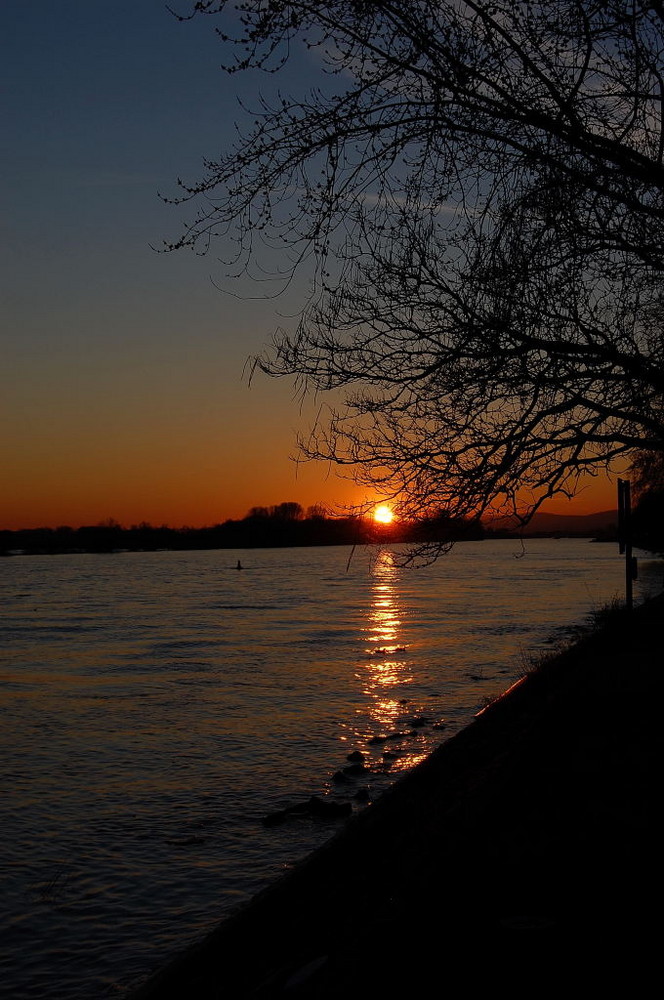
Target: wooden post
625, 537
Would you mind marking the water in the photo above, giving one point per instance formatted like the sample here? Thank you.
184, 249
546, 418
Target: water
156, 706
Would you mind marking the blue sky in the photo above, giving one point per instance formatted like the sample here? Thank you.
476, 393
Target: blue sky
124, 391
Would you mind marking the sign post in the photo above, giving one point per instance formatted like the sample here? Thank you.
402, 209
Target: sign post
625, 538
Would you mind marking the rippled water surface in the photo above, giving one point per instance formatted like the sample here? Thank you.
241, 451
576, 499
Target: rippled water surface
157, 706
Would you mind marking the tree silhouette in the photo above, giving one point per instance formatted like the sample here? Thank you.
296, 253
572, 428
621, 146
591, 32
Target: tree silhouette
648, 518
290, 510
477, 195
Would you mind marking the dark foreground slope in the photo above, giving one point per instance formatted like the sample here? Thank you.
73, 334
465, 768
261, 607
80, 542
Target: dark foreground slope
521, 856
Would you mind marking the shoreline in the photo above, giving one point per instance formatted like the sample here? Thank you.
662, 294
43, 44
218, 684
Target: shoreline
524, 845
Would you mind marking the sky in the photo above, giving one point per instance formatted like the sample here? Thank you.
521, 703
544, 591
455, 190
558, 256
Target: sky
125, 393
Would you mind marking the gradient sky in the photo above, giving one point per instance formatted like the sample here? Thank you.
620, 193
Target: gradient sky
123, 390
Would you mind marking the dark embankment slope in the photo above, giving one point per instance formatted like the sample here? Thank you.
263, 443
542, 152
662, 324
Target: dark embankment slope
521, 856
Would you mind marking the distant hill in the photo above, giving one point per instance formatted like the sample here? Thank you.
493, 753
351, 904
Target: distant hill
584, 525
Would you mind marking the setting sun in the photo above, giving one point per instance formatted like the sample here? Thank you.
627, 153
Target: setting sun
383, 515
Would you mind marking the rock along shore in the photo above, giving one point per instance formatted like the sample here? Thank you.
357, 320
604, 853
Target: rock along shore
522, 855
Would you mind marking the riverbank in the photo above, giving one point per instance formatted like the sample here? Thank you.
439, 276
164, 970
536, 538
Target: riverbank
522, 854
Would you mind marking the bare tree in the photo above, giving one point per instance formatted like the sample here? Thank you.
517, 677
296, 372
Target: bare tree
647, 474
478, 197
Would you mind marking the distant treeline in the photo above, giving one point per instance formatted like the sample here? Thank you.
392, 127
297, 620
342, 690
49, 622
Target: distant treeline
286, 524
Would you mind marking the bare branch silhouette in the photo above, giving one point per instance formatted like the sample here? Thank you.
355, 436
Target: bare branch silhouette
478, 196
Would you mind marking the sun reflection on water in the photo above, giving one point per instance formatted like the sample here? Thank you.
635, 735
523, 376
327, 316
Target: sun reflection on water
392, 729
385, 669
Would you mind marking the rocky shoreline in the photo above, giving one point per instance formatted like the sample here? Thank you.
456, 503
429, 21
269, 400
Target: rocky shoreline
523, 854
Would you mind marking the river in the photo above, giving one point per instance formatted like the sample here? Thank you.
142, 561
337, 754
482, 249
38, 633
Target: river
157, 707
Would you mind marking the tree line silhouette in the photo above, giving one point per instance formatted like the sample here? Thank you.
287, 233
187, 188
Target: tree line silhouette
280, 525
289, 524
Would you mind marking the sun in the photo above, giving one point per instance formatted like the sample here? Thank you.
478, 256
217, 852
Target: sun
383, 515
